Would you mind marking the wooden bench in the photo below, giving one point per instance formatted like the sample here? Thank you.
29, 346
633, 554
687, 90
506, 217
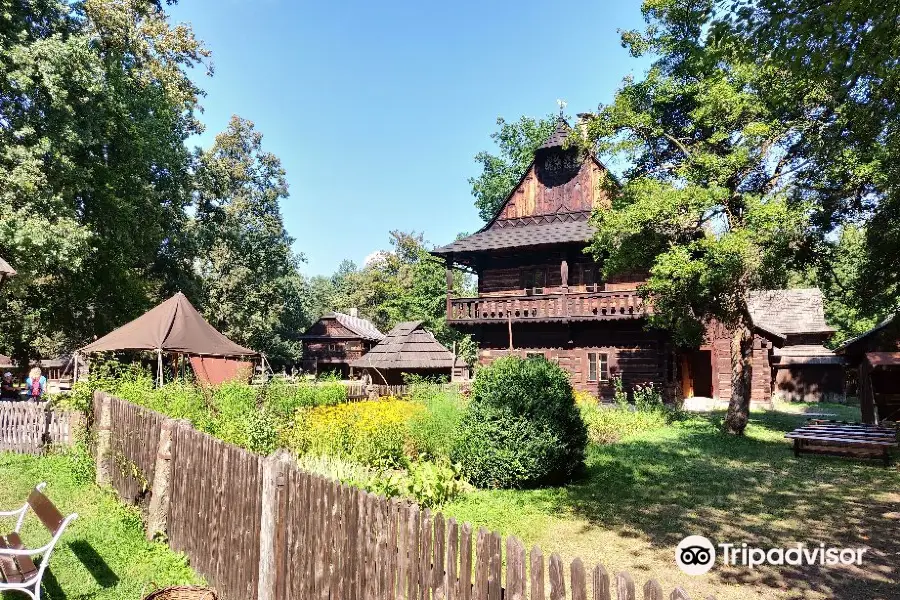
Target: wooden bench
844, 439
17, 568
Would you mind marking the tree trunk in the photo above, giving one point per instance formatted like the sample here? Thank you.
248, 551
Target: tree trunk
741, 377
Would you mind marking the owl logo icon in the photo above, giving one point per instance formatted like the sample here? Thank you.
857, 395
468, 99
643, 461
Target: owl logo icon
695, 555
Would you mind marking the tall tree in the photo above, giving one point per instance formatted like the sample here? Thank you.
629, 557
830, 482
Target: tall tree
706, 204
844, 54
516, 143
251, 289
95, 106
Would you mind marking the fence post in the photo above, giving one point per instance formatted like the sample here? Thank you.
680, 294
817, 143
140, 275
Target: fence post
274, 471
104, 439
158, 513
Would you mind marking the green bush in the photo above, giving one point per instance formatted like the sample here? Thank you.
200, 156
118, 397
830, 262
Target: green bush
431, 431
521, 428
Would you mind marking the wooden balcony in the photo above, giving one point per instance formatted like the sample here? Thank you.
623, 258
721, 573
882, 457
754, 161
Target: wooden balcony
589, 306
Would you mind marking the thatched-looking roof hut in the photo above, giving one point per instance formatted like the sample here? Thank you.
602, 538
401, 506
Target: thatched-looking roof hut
409, 349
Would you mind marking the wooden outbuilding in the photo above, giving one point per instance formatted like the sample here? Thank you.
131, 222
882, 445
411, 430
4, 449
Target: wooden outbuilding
790, 360
874, 359
335, 341
408, 349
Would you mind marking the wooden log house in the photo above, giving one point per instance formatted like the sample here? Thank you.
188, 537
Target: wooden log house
335, 341
539, 293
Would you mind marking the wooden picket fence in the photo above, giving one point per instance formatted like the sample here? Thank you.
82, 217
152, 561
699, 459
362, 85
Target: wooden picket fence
262, 529
29, 427
361, 391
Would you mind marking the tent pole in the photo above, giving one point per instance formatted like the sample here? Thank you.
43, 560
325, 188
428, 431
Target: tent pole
159, 368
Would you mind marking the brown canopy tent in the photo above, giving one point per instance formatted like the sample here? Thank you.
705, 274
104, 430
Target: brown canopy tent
6, 271
173, 326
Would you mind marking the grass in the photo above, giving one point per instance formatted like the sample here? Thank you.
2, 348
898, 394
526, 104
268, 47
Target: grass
103, 555
642, 495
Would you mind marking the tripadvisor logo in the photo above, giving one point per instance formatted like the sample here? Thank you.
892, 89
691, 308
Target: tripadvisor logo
695, 555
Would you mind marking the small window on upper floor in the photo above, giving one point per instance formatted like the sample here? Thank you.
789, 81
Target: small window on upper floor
590, 277
535, 280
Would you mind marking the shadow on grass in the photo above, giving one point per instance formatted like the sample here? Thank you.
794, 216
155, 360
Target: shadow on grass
92, 561
693, 479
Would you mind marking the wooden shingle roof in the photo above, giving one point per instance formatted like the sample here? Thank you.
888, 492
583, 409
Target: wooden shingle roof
527, 235
789, 311
361, 327
559, 136
407, 346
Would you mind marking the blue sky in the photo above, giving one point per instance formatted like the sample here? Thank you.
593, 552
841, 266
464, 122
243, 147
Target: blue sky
377, 109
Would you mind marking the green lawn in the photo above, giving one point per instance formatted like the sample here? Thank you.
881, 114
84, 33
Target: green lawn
103, 555
642, 495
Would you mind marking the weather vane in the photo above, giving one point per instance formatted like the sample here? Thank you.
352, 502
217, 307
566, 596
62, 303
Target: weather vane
562, 105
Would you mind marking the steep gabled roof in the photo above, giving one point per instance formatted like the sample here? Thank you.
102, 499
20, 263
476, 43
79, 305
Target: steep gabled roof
559, 136
361, 327
788, 311
407, 346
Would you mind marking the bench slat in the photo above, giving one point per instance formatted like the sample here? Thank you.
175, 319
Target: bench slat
25, 565
45, 511
848, 434
840, 440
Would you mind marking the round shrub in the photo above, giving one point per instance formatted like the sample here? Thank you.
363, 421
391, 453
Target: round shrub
521, 428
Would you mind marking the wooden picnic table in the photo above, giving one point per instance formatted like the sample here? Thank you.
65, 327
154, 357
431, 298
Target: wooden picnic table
844, 439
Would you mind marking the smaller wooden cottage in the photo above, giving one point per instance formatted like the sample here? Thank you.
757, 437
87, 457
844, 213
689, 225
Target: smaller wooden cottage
408, 350
335, 341
790, 360
874, 359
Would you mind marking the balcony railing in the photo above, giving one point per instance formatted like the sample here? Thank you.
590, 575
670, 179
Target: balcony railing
551, 307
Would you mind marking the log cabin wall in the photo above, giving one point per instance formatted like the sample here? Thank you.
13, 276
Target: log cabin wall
718, 342
332, 348
623, 349
510, 274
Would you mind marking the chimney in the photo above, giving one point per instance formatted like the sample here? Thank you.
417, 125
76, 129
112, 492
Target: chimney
353, 312
584, 119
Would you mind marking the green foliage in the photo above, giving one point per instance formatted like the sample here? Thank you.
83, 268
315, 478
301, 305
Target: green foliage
403, 284
608, 425
432, 484
251, 290
94, 172
283, 398
647, 397
432, 430
429, 484
521, 427
517, 143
